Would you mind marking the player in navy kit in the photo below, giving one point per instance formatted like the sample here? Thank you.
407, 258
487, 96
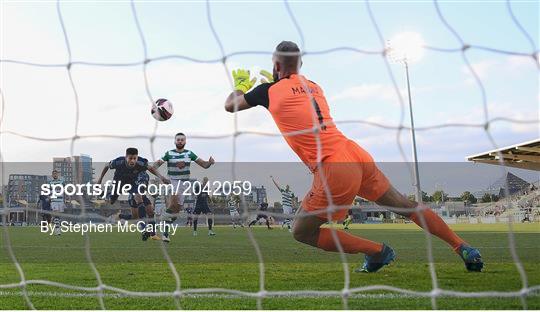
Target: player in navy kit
44, 203
262, 215
201, 206
131, 170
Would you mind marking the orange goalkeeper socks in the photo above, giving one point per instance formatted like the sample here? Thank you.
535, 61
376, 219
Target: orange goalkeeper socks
350, 243
437, 227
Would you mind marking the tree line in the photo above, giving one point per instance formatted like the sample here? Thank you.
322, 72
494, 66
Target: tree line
467, 197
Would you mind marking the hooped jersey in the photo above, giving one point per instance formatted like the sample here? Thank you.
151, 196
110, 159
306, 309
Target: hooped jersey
232, 205
173, 157
286, 197
58, 198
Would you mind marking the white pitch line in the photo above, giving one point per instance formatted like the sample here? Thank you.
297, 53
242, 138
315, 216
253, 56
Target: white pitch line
221, 296
57, 294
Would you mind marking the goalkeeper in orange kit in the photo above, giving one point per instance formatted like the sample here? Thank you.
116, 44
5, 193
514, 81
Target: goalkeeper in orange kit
340, 167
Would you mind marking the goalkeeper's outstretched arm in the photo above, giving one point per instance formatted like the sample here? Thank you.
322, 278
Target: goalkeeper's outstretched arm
236, 102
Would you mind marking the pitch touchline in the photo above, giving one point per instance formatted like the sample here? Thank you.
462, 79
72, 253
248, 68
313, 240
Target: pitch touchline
219, 296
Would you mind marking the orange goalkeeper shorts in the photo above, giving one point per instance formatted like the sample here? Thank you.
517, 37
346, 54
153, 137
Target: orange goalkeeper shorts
349, 173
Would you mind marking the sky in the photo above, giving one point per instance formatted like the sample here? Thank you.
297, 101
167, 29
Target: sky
40, 102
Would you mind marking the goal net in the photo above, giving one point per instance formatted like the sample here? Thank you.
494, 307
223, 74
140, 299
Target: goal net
87, 82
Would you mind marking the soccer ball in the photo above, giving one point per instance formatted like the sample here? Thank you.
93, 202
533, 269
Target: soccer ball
162, 110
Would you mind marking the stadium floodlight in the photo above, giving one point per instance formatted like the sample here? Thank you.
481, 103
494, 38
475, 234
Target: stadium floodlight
404, 48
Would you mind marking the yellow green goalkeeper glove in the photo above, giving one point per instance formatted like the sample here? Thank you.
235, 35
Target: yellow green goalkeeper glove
241, 80
267, 76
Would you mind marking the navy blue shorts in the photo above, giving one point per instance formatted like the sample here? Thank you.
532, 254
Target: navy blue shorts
202, 209
133, 204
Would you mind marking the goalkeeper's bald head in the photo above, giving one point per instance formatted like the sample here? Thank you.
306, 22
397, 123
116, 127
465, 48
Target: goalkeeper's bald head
287, 59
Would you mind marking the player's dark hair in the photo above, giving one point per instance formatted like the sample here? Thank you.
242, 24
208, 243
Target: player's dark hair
132, 151
179, 133
288, 55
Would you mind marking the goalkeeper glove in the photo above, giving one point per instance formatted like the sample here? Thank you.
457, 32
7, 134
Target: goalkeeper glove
241, 80
267, 76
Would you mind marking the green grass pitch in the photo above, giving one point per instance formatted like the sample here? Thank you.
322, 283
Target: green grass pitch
228, 260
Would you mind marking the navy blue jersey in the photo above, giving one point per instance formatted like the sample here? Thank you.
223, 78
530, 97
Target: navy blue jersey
125, 173
142, 179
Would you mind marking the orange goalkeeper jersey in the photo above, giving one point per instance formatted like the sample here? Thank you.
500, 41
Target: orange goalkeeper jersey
298, 106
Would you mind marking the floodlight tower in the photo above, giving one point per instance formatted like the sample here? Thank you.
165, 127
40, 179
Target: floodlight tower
405, 48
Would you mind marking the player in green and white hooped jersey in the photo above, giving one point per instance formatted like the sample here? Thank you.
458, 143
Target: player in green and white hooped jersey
232, 205
178, 169
57, 203
286, 202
